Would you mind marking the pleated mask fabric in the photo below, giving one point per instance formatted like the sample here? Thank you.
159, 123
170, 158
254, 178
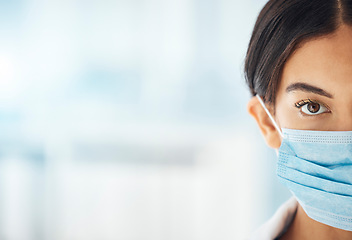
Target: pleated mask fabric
316, 166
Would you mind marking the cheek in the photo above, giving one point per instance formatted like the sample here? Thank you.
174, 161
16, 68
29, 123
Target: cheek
289, 117
286, 118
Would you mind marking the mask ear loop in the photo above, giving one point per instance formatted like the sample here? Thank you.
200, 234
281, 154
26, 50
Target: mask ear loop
269, 114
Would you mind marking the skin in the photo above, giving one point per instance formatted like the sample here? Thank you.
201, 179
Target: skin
324, 63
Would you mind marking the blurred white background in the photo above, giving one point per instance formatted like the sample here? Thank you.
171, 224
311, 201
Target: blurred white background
127, 120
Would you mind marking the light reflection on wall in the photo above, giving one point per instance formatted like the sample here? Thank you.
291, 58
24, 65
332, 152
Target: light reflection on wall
126, 120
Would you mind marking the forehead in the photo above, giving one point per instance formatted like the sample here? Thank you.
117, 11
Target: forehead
325, 62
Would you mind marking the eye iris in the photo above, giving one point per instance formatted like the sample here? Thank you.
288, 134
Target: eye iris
313, 107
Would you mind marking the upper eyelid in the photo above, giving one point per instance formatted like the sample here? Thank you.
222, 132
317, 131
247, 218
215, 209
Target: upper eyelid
303, 102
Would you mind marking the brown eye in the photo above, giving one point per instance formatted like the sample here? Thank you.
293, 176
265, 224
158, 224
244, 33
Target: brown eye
313, 107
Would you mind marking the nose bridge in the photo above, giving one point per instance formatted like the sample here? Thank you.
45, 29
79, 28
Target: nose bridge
345, 121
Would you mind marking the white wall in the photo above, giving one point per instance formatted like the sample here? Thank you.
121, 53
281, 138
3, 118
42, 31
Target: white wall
127, 120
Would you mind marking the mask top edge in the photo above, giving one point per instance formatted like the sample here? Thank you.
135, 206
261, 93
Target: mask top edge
314, 136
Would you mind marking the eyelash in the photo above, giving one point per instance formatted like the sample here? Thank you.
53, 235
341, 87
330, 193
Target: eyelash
304, 102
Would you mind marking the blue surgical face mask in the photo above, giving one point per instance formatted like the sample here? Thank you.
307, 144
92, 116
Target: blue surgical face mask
316, 166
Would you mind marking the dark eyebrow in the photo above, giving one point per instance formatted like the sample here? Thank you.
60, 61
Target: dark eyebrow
305, 87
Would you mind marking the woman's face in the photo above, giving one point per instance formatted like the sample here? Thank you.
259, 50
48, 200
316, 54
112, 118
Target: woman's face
315, 92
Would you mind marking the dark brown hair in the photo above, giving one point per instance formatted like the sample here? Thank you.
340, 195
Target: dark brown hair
281, 26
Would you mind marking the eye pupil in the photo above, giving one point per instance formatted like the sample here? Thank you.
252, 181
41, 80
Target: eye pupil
313, 107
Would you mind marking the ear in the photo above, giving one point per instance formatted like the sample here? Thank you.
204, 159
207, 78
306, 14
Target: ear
271, 135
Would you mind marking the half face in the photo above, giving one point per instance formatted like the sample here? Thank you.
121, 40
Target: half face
315, 92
